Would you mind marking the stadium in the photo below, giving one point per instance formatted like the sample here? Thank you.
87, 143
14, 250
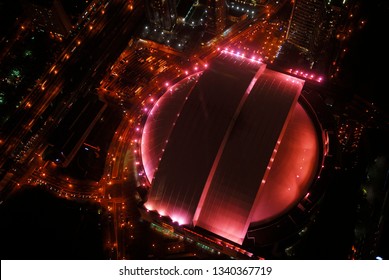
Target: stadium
234, 152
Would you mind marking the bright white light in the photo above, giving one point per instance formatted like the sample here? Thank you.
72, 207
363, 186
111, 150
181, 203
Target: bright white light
241, 55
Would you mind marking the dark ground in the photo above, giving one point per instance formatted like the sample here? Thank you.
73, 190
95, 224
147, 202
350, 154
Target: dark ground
36, 225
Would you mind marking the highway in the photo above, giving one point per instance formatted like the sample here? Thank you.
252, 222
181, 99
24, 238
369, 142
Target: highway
68, 78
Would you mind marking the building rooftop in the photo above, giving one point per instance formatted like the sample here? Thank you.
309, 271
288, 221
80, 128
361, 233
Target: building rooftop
229, 147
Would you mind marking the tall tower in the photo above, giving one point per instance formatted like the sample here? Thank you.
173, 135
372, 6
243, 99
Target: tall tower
216, 16
304, 24
162, 13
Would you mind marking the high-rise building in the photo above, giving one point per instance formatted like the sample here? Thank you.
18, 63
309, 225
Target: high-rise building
216, 16
162, 13
342, 18
304, 25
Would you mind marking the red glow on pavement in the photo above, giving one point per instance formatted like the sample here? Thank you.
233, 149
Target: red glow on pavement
178, 219
176, 215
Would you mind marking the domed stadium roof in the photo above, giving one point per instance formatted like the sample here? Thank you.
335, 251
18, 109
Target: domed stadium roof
229, 147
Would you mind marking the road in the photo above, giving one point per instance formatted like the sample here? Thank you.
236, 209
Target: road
64, 82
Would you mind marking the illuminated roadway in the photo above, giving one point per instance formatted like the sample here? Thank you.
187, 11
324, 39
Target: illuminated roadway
38, 115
